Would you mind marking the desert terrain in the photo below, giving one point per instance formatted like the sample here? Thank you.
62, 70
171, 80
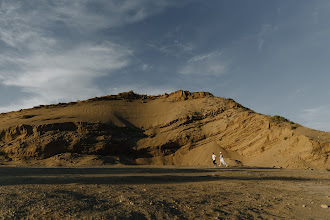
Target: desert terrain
166, 192
131, 156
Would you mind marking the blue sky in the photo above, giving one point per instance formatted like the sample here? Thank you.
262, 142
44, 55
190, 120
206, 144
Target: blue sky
270, 56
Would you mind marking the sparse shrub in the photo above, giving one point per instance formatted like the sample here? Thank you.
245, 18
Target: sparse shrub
27, 116
293, 127
262, 148
277, 118
197, 113
39, 106
280, 119
2, 153
285, 138
237, 105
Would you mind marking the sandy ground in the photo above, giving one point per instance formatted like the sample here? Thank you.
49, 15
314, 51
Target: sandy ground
145, 192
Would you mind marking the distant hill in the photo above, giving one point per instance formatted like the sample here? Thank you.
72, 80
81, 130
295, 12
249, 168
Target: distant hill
181, 128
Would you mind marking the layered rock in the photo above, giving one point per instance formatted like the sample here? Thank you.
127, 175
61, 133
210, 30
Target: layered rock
180, 128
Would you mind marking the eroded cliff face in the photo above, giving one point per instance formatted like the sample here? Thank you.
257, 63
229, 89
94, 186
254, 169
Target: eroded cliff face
43, 141
181, 128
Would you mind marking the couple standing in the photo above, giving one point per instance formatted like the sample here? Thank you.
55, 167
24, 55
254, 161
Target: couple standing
222, 160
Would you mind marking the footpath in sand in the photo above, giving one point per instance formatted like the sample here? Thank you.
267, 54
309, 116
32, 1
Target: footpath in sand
167, 192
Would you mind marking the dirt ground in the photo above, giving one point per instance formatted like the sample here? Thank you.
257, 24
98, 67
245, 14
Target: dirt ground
163, 192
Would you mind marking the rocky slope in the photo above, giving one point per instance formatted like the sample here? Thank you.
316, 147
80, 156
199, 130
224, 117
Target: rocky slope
180, 128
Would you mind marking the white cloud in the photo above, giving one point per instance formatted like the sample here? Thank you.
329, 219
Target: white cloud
145, 67
206, 56
68, 76
176, 48
80, 14
260, 44
265, 32
211, 63
55, 66
22, 22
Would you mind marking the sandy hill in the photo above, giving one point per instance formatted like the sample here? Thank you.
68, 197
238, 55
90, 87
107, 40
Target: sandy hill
180, 128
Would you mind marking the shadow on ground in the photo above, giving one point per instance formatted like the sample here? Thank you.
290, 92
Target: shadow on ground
24, 176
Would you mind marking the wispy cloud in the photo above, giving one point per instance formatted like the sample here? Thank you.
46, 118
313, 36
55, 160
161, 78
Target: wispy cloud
38, 62
266, 30
145, 67
212, 63
54, 76
202, 57
175, 48
171, 46
48, 48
